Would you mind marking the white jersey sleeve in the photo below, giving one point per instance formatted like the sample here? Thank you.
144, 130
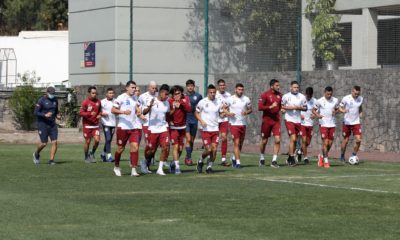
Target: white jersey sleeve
352, 107
106, 106
306, 115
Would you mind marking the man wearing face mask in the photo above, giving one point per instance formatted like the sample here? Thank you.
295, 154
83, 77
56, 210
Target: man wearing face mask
46, 111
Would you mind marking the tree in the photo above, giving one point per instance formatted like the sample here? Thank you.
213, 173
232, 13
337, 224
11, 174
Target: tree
19, 15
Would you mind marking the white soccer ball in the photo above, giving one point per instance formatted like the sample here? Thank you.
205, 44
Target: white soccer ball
353, 160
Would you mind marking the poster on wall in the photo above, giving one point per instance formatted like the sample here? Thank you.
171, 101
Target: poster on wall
90, 54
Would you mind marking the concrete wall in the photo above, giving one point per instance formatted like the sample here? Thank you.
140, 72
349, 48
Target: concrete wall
381, 93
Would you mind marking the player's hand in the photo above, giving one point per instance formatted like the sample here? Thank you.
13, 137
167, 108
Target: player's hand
98, 116
142, 117
283, 110
320, 116
104, 114
203, 124
152, 102
302, 117
127, 112
48, 115
230, 114
93, 113
58, 116
312, 116
274, 104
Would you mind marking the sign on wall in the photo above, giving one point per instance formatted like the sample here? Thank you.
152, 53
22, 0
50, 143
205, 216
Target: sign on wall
90, 54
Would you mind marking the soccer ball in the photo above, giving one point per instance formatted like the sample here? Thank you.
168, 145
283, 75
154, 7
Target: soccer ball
353, 160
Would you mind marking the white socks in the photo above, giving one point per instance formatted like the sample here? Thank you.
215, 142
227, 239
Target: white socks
176, 164
262, 156
274, 158
238, 161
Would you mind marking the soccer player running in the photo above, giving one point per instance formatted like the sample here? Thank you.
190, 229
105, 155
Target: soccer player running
293, 103
158, 109
177, 124
46, 111
207, 113
108, 124
307, 123
223, 96
144, 101
351, 106
127, 108
325, 110
270, 104
239, 107
191, 121
91, 113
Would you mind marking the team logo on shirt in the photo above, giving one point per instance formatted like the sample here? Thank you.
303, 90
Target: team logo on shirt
127, 102
90, 108
206, 105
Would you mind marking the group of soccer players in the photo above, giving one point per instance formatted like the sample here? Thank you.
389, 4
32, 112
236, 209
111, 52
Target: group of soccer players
300, 112
168, 118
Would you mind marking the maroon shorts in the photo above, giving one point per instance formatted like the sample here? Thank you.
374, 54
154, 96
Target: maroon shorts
348, 129
306, 131
88, 133
177, 136
327, 132
146, 133
270, 127
125, 135
223, 127
209, 138
238, 132
293, 128
156, 139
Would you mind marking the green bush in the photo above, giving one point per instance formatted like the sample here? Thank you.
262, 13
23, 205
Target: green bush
22, 104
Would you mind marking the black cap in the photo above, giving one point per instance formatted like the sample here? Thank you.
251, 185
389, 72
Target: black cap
51, 90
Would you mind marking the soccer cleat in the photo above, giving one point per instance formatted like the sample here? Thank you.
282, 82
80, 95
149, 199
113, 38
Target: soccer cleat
233, 162
36, 159
172, 167
92, 158
327, 165
238, 166
274, 164
320, 160
160, 172
117, 171
103, 157
209, 170
178, 171
143, 167
134, 173
261, 163
200, 166
306, 161
225, 164
51, 163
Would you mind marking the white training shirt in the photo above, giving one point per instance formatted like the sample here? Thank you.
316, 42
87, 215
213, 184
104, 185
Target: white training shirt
209, 112
307, 121
352, 117
290, 99
237, 106
326, 108
106, 106
223, 98
144, 101
157, 116
125, 102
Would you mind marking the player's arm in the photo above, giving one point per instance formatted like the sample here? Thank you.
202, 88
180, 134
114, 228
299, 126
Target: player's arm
249, 109
316, 113
38, 109
56, 112
148, 108
185, 103
262, 104
360, 110
83, 111
198, 116
116, 109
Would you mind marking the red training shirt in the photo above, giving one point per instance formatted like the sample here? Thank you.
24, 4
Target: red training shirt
265, 101
178, 119
87, 107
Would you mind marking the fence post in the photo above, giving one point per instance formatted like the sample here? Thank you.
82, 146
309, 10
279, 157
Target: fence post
206, 2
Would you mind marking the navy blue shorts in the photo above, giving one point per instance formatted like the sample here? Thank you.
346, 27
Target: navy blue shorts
47, 131
191, 128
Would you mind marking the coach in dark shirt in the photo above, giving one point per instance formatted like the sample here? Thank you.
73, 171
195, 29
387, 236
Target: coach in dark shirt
46, 111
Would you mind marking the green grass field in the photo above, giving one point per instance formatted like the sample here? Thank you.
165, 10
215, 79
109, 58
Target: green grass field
74, 200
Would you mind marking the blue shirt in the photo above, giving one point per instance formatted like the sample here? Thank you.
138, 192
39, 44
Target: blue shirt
194, 100
44, 106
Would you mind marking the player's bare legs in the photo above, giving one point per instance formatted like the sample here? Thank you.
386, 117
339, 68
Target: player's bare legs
53, 150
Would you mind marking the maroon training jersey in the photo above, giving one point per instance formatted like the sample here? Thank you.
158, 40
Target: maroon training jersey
178, 119
266, 100
89, 106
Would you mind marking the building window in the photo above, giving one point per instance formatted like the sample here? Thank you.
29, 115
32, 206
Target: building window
388, 42
344, 55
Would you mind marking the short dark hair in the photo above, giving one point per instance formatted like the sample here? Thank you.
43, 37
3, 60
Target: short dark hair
190, 82
357, 88
128, 83
109, 89
220, 81
293, 83
164, 87
272, 82
309, 91
211, 86
176, 88
91, 88
328, 89
239, 85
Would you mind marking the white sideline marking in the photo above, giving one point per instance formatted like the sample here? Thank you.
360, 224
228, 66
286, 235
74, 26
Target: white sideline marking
326, 186
351, 176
